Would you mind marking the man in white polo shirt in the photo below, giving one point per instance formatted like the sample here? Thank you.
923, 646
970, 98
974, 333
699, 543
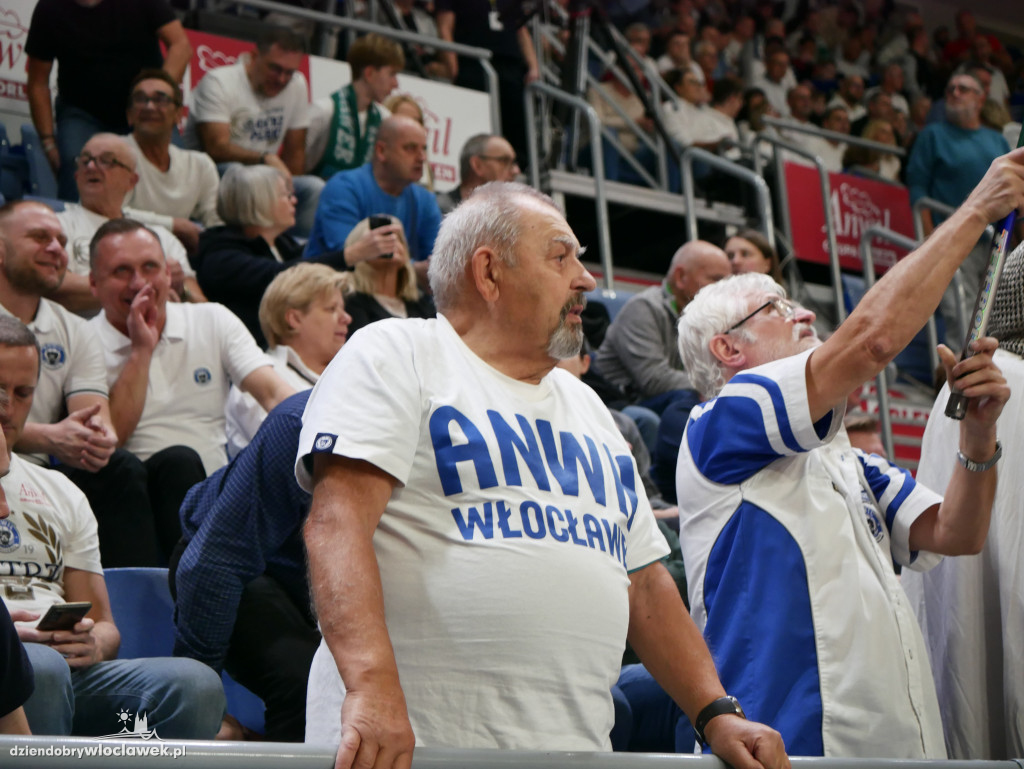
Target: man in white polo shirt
69, 424
170, 366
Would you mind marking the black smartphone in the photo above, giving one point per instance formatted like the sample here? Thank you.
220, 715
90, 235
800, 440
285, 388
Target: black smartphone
380, 220
64, 616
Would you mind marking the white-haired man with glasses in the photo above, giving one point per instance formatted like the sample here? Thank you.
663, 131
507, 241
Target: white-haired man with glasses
105, 174
790, 535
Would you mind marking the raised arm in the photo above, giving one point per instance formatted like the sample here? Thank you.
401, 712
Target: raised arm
349, 497
673, 650
179, 50
899, 305
960, 524
128, 393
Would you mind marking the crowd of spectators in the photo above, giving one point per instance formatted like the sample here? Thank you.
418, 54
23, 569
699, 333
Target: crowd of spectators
158, 331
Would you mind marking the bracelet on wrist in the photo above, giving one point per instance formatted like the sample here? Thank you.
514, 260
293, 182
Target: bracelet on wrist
980, 467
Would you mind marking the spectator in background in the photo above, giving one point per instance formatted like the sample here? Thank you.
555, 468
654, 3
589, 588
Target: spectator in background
483, 158
982, 58
678, 55
385, 185
169, 368
850, 96
829, 150
51, 556
892, 84
305, 323
480, 23
236, 262
639, 352
778, 78
706, 55
946, 162
239, 574
959, 50
613, 99
852, 58
750, 251
105, 174
385, 287
99, 46
177, 188
638, 35
406, 106
739, 48
885, 165
256, 112
683, 118
343, 127
879, 107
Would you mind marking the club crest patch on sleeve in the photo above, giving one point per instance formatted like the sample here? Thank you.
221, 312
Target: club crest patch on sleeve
324, 442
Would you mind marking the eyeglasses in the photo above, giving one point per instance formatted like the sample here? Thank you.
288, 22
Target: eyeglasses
783, 307
505, 160
161, 100
962, 88
106, 161
278, 71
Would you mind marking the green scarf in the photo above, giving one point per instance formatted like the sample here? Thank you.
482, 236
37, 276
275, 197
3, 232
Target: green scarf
346, 148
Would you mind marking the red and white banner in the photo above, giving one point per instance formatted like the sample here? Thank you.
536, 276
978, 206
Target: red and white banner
856, 204
15, 16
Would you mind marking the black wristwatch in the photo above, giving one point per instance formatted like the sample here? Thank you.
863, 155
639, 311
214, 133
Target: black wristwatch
720, 707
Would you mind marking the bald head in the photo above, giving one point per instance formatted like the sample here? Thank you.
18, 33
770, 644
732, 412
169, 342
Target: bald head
695, 265
399, 154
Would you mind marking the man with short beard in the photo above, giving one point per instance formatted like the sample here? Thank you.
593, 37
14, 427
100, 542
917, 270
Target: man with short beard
789, 535
947, 160
474, 587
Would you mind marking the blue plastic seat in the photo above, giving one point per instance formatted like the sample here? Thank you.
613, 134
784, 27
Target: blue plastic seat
144, 612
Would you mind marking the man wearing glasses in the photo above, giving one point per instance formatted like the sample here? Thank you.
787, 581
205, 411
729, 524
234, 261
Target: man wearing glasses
484, 158
790, 535
105, 174
256, 111
948, 158
176, 187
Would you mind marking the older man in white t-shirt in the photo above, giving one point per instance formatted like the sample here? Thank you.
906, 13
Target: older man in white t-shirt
257, 111
478, 542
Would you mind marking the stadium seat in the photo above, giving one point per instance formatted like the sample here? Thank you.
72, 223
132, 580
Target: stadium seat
41, 180
144, 612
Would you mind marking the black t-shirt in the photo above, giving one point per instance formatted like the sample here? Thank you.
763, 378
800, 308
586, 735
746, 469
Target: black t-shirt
16, 679
474, 26
98, 50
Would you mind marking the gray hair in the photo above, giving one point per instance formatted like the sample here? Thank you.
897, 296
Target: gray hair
492, 217
475, 146
247, 194
715, 308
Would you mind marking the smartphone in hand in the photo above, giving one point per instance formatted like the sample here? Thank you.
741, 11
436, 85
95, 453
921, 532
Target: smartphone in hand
380, 220
64, 616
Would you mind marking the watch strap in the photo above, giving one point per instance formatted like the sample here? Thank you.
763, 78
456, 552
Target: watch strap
980, 467
720, 707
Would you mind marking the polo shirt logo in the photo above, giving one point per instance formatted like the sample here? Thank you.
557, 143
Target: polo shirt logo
52, 356
324, 442
9, 536
202, 376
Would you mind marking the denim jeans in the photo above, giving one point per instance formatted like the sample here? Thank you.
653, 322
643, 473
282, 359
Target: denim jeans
74, 128
181, 698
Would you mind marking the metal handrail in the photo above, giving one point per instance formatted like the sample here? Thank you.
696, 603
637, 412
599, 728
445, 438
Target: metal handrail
482, 54
537, 89
272, 755
826, 195
824, 133
959, 295
881, 381
692, 154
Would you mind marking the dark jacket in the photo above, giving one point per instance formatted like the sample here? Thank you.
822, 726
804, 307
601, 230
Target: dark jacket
364, 309
235, 270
